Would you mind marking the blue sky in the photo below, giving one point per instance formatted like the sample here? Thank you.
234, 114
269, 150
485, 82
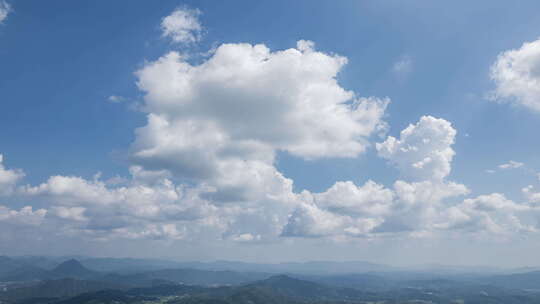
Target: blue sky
61, 61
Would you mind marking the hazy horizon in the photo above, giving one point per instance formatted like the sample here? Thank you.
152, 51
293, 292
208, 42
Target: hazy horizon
479, 268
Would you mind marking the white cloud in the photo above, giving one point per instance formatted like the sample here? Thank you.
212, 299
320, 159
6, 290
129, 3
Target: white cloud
370, 210
136, 210
203, 167
492, 213
308, 220
429, 192
530, 195
182, 26
25, 216
246, 237
219, 125
8, 178
516, 74
371, 199
506, 166
511, 165
5, 9
343, 210
70, 213
245, 103
423, 151
150, 206
419, 204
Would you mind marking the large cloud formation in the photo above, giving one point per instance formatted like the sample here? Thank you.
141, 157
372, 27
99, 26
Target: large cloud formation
423, 154
516, 74
203, 167
257, 204
220, 123
205, 162
246, 101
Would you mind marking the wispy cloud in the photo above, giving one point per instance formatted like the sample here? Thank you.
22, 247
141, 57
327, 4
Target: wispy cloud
182, 26
403, 67
116, 99
511, 165
5, 9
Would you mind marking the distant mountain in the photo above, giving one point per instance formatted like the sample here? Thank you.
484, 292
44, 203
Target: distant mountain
453, 269
57, 289
187, 276
300, 289
130, 265
362, 281
279, 289
527, 280
73, 269
68, 269
314, 267
27, 273
46, 263
107, 297
8, 265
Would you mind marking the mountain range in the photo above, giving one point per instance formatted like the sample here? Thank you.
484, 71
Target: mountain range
45, 280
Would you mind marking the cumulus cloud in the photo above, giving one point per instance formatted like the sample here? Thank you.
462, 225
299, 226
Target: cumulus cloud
492, 213
347, 198
182, 26
423, 154
26, 216
137, 209
5, 9
215, 129
203, 167
516, 74
70, 213
249, 200
344, 209
370, 210
219, 125
8, 178
308, 220
221, 122
256, 203
149, 205
418, 209
423, 151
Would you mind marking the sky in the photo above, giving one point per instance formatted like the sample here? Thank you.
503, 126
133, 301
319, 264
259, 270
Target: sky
392, 132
